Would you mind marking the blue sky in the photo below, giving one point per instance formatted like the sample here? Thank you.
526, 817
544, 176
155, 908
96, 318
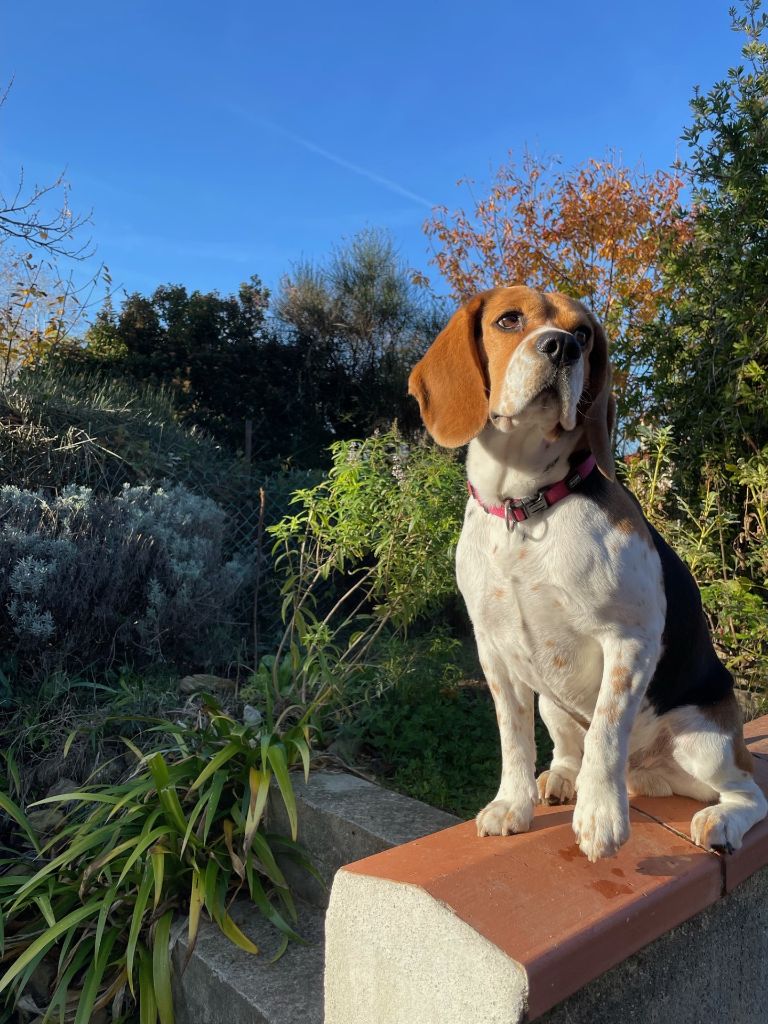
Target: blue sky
214, 141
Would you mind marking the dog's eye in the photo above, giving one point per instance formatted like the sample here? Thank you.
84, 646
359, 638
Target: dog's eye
582, 334
511, 321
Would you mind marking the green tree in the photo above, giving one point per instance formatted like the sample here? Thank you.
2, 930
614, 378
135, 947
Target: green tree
702, 469
707, 355
360, 321
204, 349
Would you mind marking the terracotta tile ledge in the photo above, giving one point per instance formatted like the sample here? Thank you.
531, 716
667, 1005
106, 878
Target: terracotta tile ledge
533, 902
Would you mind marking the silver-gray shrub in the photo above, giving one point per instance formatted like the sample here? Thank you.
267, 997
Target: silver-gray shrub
89, 582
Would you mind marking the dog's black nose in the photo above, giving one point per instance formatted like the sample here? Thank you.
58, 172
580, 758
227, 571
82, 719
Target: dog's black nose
559, 347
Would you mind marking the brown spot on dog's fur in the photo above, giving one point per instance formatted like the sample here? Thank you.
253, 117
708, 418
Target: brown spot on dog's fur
704, 835
625, 514
559, 662
727, 717
536, 586
499, 592
621, 679
611, 713
549, 643
522, 553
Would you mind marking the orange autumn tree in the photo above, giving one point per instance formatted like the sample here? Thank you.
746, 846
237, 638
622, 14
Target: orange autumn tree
596, 232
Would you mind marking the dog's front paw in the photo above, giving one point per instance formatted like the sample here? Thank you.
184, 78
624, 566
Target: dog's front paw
504, 818
601, 819
555, 787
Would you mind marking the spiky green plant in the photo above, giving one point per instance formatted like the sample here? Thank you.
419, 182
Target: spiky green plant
95, 901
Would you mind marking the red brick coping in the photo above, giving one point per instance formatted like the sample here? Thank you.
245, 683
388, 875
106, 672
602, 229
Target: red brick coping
538, 899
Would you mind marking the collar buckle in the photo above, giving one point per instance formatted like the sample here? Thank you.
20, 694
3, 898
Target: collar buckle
518, 509
535, 504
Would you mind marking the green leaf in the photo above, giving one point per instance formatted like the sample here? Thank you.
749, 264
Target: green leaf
44, 905
147, 1001
46, 940
68, 743
216, 762
259, 897
92, 979
146, 841
196, 901
237, 864
217, 785
215, 883
73, 851
106, 904
259, 791
193, 817
138, 754
136, 922
261, 849
13, 770
233, 933
15, 812
95, 866
161, 968
174, 814
157, 857
277, 759
303, 749
298, 855
79, 958
284, 941
84, 796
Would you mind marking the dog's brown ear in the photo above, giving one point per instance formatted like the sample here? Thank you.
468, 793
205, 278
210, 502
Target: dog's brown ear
600, 417
449, 382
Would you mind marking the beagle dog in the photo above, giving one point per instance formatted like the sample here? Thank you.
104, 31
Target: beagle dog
572, 593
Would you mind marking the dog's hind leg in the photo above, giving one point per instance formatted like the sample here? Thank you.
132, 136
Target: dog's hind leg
557, 785
709, 745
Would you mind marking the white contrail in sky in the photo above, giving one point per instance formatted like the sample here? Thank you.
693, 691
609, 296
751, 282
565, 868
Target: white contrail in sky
363, 172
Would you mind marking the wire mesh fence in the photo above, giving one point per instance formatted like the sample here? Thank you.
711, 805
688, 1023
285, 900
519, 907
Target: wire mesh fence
57, 431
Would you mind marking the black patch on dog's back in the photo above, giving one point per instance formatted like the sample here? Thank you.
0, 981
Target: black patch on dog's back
688, 671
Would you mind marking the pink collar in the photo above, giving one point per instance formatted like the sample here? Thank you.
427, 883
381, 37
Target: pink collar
515, 510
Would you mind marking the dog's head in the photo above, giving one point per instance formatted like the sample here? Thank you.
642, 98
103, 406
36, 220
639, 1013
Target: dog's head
514, 355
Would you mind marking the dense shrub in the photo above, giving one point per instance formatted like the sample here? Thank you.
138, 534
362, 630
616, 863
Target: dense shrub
63, 426
364, 555
87, 581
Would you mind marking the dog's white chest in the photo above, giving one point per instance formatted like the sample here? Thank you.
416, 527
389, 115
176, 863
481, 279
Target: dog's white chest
536, 599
